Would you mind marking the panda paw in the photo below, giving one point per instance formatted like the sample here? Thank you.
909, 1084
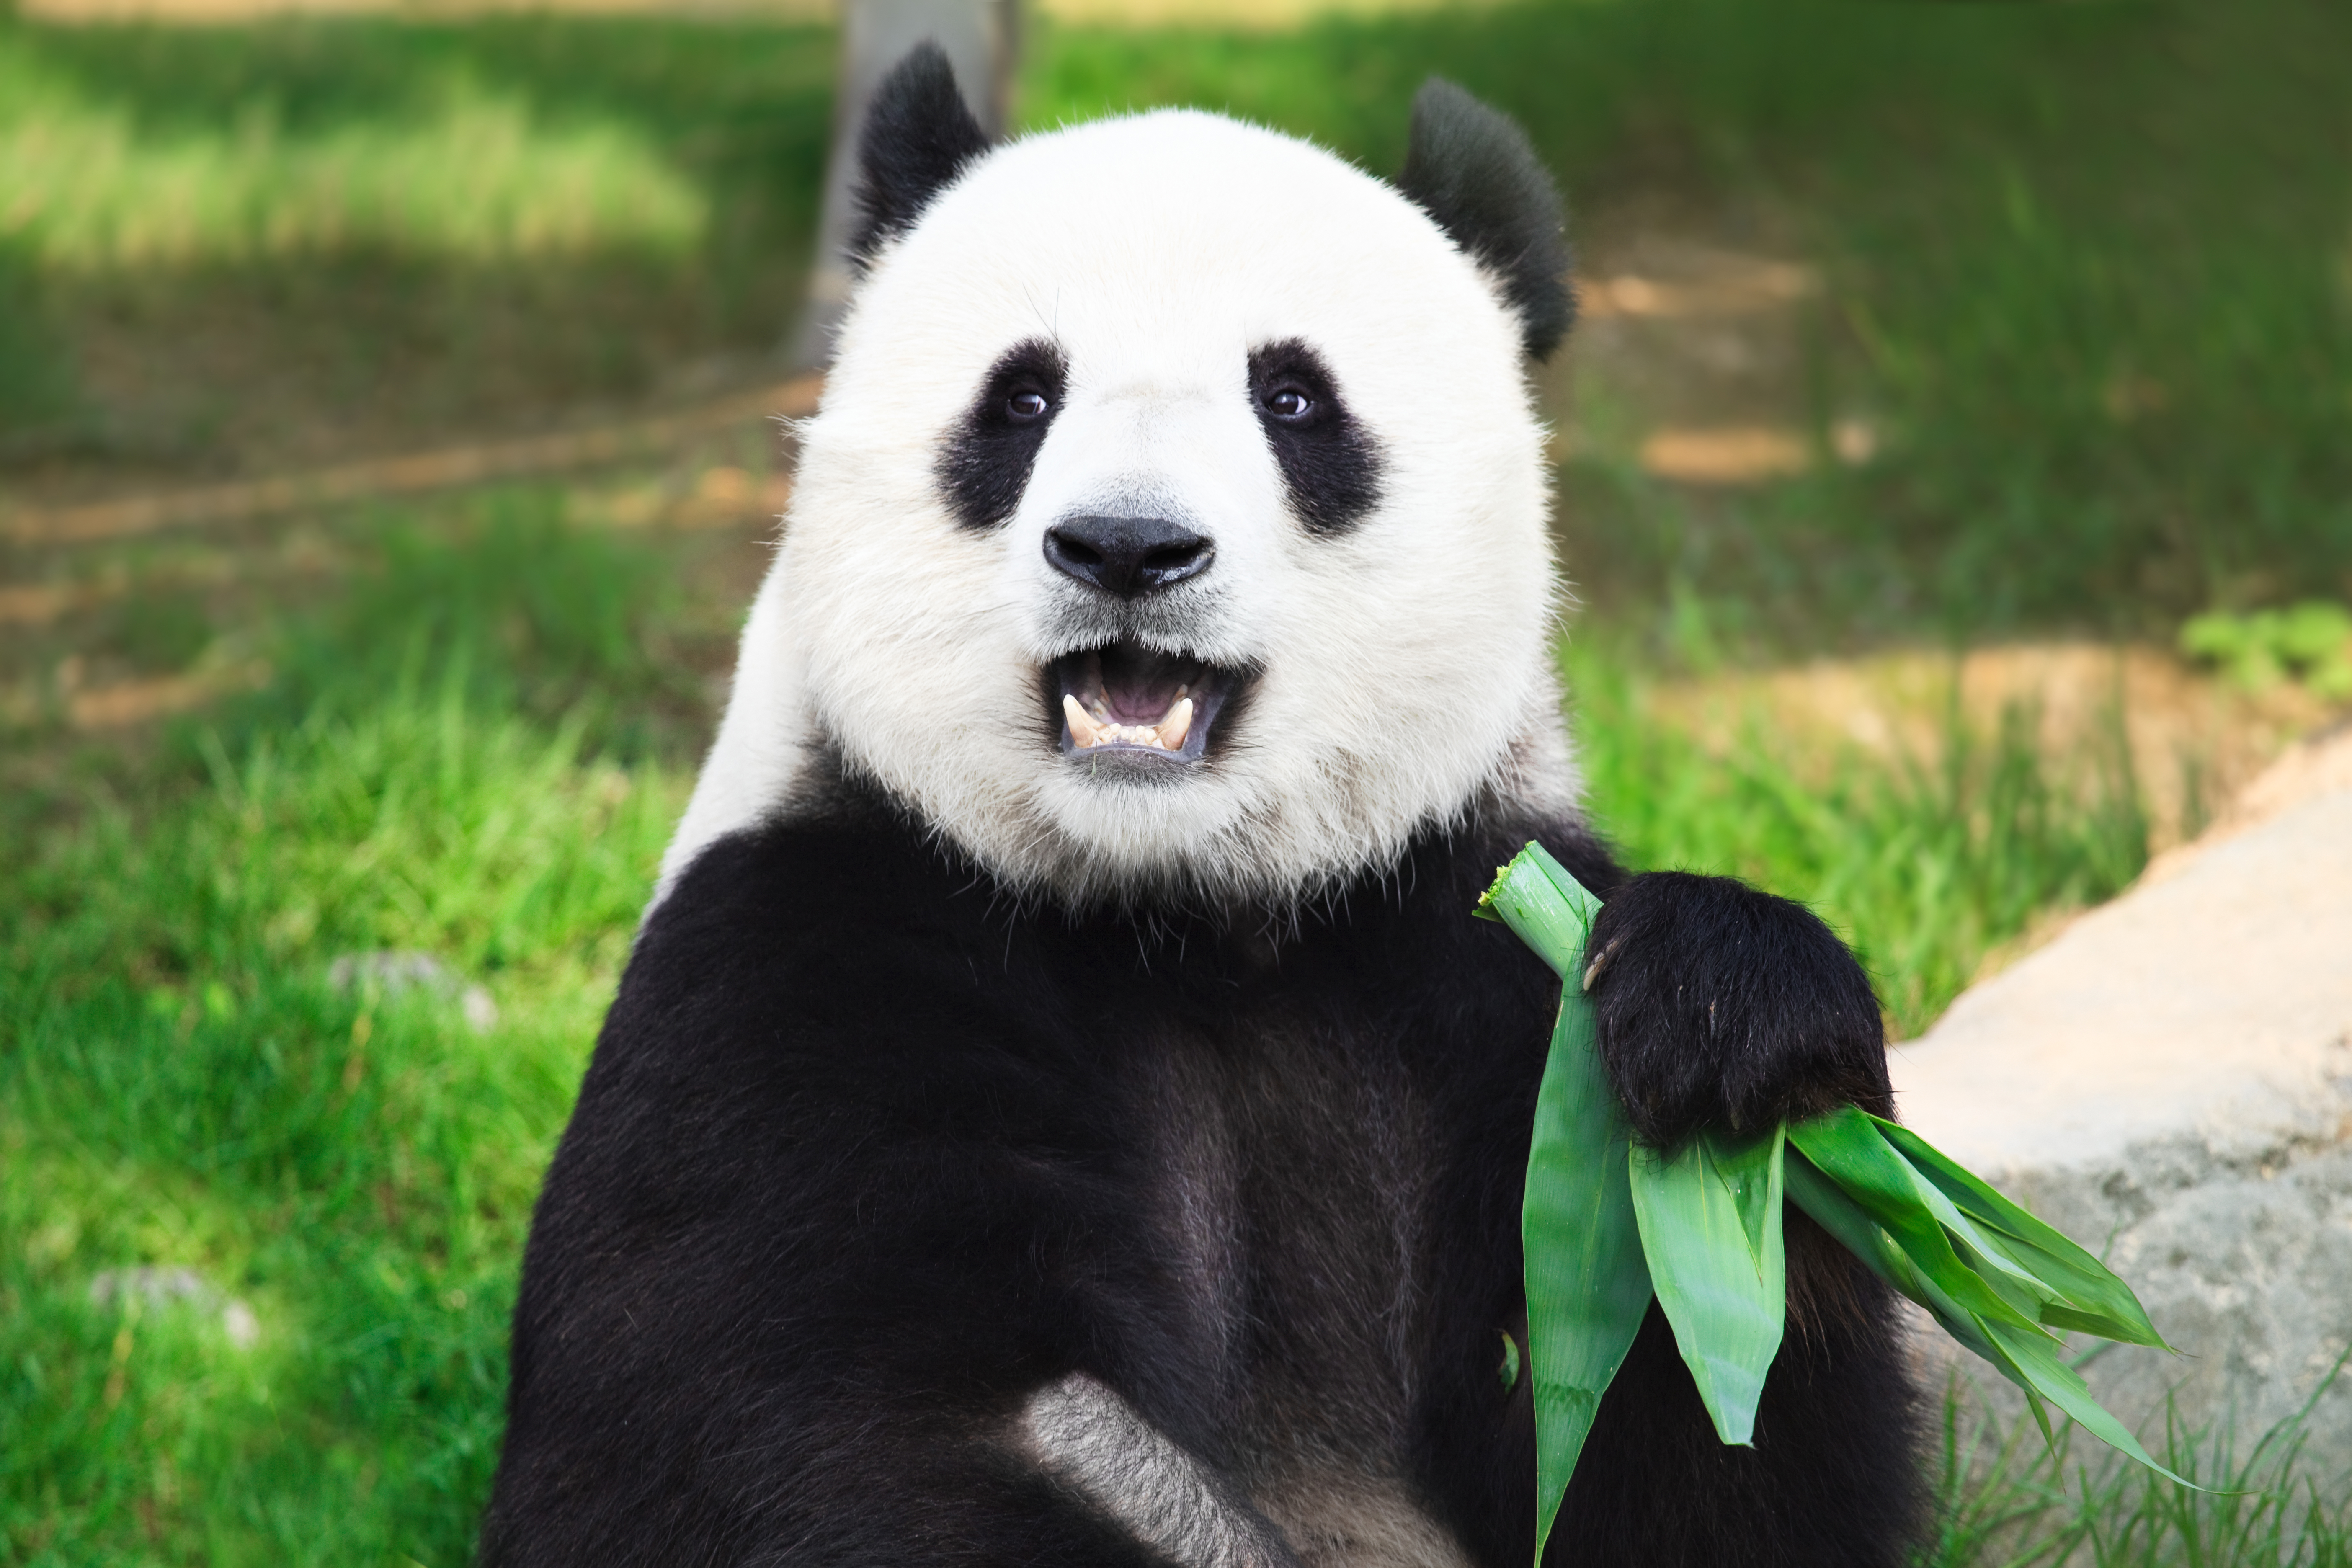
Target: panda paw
1724, 1008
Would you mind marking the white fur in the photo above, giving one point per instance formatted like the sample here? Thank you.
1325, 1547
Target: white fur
1081, 1433
1406, 670
1085, 1435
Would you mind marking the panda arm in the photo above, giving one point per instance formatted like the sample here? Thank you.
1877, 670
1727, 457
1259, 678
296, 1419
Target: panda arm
1723, 1007
817, 1230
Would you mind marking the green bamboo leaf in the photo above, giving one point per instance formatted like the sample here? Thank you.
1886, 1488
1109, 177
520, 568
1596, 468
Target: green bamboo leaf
1983, 1253
1846, 1146
1868, 1216
2091, 1297
1710, 1217
1843, 1218
1710, 1223
1586, 1284
2033, 1362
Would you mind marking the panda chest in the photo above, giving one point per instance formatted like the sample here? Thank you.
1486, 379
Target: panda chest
1293, 1174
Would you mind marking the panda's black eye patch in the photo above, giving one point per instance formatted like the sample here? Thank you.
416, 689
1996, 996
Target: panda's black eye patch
1329, 463
985, 463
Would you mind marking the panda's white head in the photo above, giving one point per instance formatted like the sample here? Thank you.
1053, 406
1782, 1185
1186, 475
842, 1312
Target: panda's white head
1173, 523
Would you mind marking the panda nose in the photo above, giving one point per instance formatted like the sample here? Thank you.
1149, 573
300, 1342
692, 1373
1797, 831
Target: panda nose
1127, 555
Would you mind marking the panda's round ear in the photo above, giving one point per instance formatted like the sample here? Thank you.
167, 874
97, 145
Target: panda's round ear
917, 136
1472, 169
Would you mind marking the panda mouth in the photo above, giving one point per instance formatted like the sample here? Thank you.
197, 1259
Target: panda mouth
1127, 701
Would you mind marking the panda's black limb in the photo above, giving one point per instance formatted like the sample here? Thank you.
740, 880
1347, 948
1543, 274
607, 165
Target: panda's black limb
1723, 1007
875, 1171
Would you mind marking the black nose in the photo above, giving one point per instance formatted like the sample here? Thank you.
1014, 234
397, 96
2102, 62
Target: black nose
1127, 555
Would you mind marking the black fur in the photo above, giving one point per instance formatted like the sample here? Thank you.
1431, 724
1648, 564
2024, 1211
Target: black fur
1472, 169
1330, 467
984, 465
918, 135
868, 1152
1723, 1007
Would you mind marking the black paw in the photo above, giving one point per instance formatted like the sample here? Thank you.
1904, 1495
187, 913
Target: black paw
1721, 1007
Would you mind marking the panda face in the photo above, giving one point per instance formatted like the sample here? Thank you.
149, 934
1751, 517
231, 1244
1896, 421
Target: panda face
1173, 525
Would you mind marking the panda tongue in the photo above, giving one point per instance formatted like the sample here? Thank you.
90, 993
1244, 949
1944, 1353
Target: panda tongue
1131, 696
1139, 688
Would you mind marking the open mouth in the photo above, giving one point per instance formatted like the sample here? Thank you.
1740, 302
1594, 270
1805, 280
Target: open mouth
1126, 700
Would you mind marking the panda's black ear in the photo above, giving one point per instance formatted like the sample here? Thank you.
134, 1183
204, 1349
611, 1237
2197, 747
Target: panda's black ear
1472, 169
919, 134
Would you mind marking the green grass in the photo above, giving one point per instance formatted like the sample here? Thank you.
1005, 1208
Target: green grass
473, 176
2004, 1499
400, 231
181, 1084
137, 147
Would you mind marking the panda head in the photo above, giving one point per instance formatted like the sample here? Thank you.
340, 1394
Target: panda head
1173, 526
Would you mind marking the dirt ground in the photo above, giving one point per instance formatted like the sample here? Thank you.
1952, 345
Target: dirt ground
2195, 741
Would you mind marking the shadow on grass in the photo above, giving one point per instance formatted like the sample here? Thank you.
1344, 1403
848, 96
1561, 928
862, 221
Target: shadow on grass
263, 244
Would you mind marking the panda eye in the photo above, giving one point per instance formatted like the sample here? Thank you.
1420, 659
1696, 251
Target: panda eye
1289, 404
1026, 405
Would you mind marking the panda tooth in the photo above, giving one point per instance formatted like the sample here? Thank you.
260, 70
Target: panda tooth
1178, 724
1083, 729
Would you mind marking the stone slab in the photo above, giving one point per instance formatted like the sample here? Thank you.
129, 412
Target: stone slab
2170, 1083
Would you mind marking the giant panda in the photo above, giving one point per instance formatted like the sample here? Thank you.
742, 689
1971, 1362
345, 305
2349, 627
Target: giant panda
1060, 1107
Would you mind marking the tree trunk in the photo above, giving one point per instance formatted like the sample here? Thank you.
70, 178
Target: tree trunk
982, 38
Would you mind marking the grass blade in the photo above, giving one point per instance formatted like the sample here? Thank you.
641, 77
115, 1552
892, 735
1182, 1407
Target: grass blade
1586, 1284
1710, 1223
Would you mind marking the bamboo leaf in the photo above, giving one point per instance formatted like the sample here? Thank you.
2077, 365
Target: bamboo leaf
1983, 1253
1867, 1215
2093, 1297
1586, 1284
1710, 1223
1843, 1218
1846, 1146
2034, 1362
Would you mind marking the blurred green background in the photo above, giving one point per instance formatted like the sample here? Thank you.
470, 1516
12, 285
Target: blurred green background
1941, 363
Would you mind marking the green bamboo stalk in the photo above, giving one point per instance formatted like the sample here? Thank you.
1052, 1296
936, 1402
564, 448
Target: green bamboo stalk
1587, 1285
